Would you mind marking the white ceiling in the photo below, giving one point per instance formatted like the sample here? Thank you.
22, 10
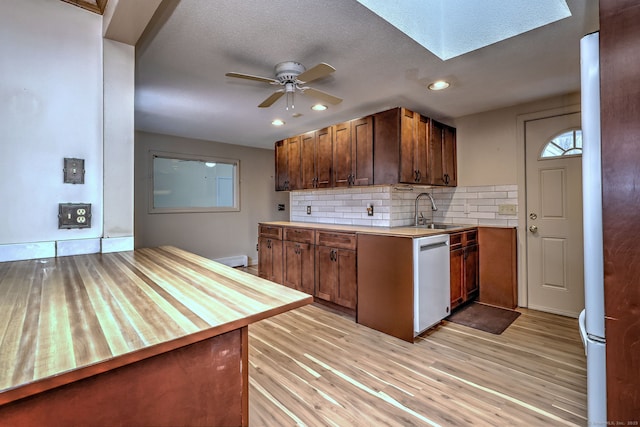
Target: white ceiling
181, 87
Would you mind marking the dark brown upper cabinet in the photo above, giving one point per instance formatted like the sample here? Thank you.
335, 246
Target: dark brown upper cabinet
413, 149
317, 157
353, 153
288, 164
390, 147
442, 155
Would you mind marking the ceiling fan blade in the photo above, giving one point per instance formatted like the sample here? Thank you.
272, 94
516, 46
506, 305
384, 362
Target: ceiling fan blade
313, 73
250, 77
323, 96
273, 98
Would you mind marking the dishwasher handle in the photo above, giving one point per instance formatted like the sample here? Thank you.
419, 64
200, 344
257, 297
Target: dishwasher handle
433, 246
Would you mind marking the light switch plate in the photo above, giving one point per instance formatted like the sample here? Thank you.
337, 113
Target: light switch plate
74, 215
73, 171
507, 209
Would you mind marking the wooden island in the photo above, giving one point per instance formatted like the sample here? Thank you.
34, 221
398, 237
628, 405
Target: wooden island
154, 336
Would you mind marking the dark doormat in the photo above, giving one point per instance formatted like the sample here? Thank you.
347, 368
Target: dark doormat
484, 317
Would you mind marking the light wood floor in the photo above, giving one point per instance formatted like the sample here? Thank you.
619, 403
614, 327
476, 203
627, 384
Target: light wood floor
314, 367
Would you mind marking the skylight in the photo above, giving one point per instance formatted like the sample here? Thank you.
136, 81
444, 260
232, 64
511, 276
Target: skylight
450, 28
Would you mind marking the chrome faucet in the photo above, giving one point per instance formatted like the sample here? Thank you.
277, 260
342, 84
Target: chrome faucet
433, 205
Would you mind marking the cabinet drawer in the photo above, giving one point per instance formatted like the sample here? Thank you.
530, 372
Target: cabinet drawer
463, 239
455, 240
336, 239
470, 237
270, 231
301, 235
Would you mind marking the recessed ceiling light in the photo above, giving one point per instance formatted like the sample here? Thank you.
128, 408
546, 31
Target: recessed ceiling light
210, 164
277, 122
439, 85
319, 107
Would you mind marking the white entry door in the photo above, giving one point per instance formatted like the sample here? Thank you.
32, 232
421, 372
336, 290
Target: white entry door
554, 216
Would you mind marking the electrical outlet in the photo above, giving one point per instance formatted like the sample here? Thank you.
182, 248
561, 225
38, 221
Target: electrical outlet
74, 215
308, 210
280, 206
507, 209
370, 210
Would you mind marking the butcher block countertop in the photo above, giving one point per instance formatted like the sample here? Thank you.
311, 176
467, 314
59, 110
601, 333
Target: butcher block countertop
64, 319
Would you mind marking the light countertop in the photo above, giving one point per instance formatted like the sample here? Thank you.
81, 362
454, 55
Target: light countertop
407, 231
62, 317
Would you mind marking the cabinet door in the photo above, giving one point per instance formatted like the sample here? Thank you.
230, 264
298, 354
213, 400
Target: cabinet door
282, 166
442, 155
294, 154
362, 151
457, 279
436, 176
470, 271
421, 160
308, 170
347, 278
408, 173
299, 266
265, 258
324, 157
276, 261
449, 155
342, 155
270, 259
326, 273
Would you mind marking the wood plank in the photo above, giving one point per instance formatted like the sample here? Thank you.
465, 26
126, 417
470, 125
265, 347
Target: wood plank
197, 385
620, 130
498, 269
313, 366
63, 319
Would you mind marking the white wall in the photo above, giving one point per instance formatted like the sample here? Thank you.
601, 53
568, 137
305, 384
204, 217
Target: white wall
212, 234
50, 108
64, 92
119, 66
488, 142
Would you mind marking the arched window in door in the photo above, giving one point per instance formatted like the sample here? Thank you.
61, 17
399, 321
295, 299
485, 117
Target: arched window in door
566, 144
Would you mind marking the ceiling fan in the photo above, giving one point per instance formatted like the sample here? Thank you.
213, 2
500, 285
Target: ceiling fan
293, 76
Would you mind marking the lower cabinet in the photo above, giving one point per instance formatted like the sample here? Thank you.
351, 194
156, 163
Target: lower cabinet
299, 259
464, 267
336, 275
319, 262
498, 271
270, 263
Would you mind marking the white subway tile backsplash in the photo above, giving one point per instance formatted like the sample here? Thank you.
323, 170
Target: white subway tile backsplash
393, 207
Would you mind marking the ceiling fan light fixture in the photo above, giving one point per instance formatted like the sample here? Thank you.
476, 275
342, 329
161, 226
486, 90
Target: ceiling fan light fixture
438, 85
319, 107
277, 122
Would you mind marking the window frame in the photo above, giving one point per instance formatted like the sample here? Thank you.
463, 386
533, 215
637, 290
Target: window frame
191, 209
563, 155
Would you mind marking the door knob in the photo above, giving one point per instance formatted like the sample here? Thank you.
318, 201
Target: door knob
533, 228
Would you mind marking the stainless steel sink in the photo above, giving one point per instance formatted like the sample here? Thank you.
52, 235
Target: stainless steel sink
436, 226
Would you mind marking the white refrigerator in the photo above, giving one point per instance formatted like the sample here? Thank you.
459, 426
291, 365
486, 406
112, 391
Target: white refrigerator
592, 317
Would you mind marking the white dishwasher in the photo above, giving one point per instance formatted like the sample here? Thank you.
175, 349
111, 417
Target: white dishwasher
431, 288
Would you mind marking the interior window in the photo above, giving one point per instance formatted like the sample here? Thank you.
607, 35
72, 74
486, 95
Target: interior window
568, 143
187, 183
